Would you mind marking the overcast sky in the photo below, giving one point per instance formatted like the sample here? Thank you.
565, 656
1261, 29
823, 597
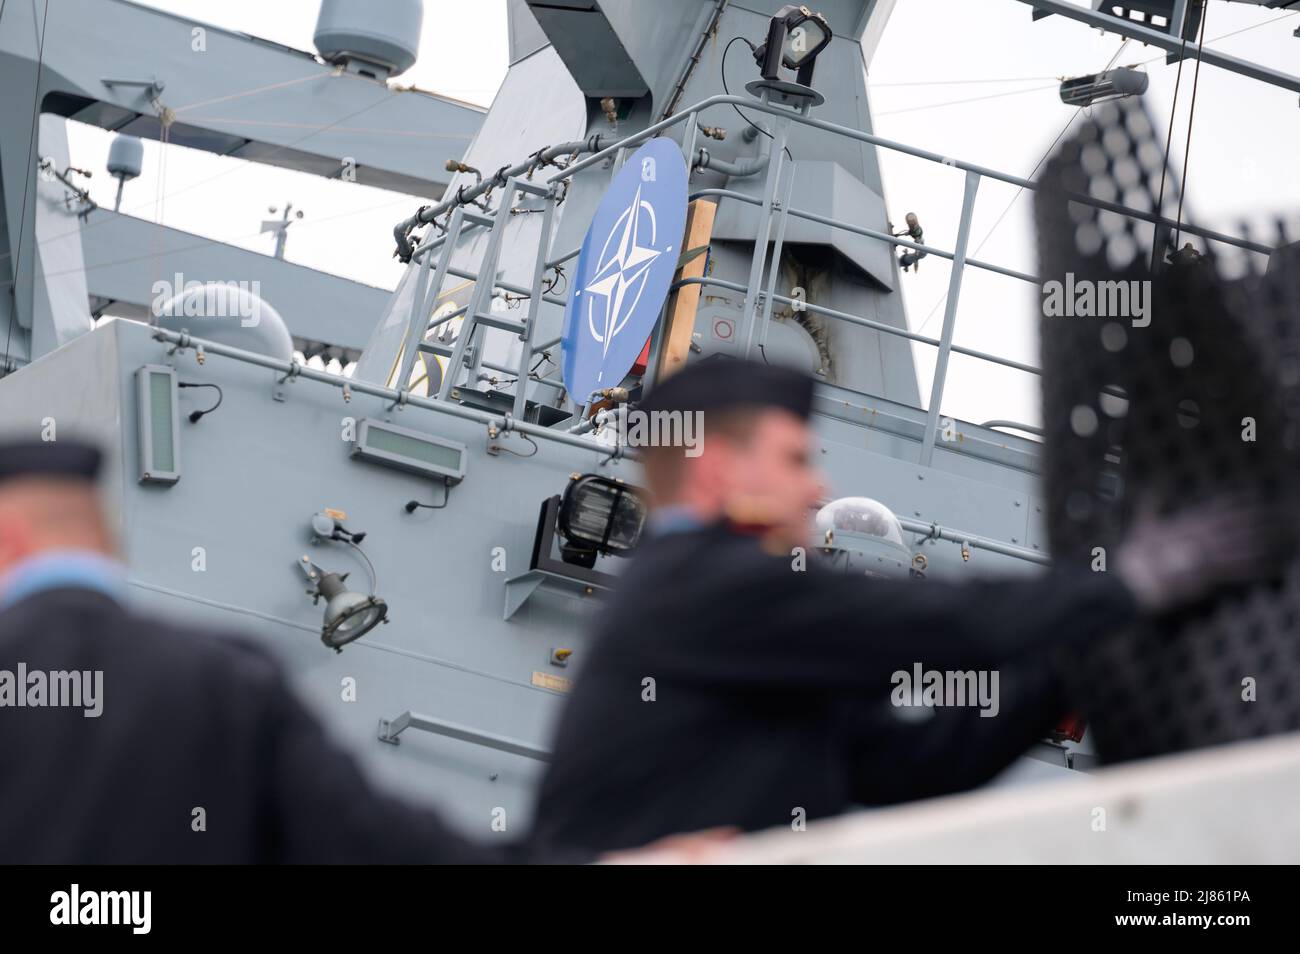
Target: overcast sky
973, 79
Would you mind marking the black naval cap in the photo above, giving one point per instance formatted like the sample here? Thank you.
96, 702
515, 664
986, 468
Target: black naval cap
59, 458
719, 383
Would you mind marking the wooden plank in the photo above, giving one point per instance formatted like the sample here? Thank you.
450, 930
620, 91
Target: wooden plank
684, 302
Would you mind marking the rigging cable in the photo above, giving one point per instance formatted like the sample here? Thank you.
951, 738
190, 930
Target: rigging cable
1020, 191
334, 125
1173, 115
1191, 117
263, 160
723, 72
973, 99
195, 416
22, 220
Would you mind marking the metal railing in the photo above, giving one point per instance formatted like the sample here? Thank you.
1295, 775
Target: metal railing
760, 295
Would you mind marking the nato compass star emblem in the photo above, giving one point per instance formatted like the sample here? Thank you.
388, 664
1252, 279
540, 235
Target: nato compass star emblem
620, 276
625, 268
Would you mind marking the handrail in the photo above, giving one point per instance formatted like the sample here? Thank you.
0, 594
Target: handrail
850, 133
759, 300
866, 232
933, 531
864, 322
391, 730
291, 369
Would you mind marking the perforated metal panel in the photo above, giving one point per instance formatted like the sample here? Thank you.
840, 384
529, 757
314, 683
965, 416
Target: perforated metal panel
1155, 409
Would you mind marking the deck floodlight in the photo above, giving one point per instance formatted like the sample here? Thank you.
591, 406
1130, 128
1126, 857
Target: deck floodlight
348, 615
598, 515
1099, 87
795, 38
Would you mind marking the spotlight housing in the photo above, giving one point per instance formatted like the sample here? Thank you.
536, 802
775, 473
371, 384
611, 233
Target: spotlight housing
598, 515
795, 38
1100, 87
348, 615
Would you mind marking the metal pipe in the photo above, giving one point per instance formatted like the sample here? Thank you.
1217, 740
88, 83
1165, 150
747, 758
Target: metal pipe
936, 532
1013, 425
868, 233
770, 183
564, 258
293, 369
534, 305
850, 133
949, 320
774, 272
401, 232
506, 286
434, 244
865, 323
749, 166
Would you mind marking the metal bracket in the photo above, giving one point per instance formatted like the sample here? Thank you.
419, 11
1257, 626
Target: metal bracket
493, 432
180, 345
153, 85
278, 392
544, 568
391, 729
294, 370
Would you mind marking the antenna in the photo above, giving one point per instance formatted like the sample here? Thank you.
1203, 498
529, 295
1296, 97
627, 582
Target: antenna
280, 226
125, 160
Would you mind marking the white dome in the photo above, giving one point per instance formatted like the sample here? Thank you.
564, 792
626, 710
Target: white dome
125, 157
228, 313
860, 515
387, 32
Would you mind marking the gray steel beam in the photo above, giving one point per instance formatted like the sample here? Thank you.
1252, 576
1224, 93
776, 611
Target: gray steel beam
315, 305
1171, 44
235, 94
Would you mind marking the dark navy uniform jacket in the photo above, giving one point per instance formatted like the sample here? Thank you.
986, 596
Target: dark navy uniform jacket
771, 689
189, 720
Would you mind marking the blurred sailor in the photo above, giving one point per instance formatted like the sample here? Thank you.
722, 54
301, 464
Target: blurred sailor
127, 739
730, 684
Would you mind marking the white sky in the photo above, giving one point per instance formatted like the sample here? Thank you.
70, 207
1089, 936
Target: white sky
934, 52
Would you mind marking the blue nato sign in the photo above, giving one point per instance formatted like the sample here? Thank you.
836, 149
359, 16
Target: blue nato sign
624, 269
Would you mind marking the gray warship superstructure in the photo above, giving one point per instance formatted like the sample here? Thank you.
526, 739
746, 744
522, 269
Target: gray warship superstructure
420, 487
